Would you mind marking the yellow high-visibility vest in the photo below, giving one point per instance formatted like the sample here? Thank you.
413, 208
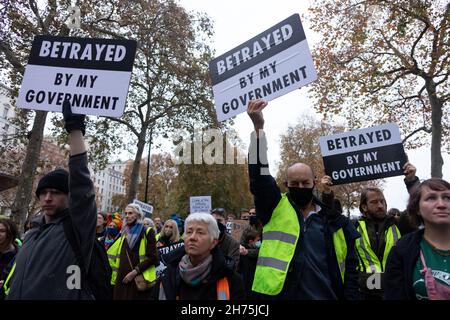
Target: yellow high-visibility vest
8, 278
370, 262
114, 258
280, 237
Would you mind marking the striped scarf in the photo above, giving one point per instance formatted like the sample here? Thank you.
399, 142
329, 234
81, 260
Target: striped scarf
132, 233
194, 275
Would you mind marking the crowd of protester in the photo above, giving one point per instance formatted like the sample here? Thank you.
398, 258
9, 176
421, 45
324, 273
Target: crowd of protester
294, 245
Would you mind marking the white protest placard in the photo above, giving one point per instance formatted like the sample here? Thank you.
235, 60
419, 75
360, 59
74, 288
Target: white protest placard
364, 154
146, 208
93, 74
200, 204
273, 63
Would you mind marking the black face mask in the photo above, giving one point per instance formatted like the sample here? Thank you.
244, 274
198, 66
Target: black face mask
301, 196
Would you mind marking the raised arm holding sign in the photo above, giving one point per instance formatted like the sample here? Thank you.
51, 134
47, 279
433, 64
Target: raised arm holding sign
284, 217
271, 64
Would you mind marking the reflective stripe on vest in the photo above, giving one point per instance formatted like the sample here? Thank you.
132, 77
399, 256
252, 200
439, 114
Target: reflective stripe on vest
370, 262
6, 284
280, 236
340, 248
223, 289
114, 259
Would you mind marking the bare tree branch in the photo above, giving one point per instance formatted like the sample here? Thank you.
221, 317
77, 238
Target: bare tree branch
11, 56
427, 130
51, 15
128, 125
35, 10
413, 48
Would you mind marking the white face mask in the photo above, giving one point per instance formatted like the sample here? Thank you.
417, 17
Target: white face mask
258, 244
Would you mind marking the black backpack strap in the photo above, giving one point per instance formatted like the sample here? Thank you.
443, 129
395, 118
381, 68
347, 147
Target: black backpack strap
74, 243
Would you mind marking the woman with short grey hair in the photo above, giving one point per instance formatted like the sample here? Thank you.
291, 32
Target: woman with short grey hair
199, 265
133, 254
206, 218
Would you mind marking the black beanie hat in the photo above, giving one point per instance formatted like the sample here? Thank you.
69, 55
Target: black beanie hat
57, 179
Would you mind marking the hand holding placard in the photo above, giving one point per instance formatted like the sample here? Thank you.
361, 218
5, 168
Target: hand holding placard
326, 184
254, 111
410, 171
73, 121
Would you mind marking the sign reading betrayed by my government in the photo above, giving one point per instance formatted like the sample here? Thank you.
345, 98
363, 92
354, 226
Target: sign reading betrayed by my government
267, 66
364, 154
93, 74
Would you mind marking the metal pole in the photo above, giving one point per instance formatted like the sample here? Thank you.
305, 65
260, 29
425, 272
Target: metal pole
148, 164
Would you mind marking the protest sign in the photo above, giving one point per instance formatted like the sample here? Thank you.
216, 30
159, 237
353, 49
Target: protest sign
93, 74
162, 251
273, 63
365, 154
146, 208
200, 204
236, 228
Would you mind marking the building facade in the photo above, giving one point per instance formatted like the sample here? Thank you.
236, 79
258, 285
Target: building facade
109, 182
7, 112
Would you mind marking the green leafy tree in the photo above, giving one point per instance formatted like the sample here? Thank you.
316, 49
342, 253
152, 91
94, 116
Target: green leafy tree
227, 183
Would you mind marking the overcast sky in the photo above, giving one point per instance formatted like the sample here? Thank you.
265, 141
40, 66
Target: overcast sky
238, 21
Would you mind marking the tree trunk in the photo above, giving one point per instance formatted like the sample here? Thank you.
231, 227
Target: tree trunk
24, 190
132, 188
436, 129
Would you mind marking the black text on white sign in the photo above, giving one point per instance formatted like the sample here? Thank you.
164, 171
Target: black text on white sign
267, 66
93, 74
364, 154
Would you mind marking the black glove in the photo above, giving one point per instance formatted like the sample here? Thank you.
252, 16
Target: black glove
73, 121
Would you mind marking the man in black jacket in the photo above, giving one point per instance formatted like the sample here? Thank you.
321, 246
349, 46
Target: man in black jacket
317, 267
46, 266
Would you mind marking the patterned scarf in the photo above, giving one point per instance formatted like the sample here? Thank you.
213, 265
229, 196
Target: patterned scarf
132, 233
194, 275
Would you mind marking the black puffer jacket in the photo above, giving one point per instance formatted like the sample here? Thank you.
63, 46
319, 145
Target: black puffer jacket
174, 287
